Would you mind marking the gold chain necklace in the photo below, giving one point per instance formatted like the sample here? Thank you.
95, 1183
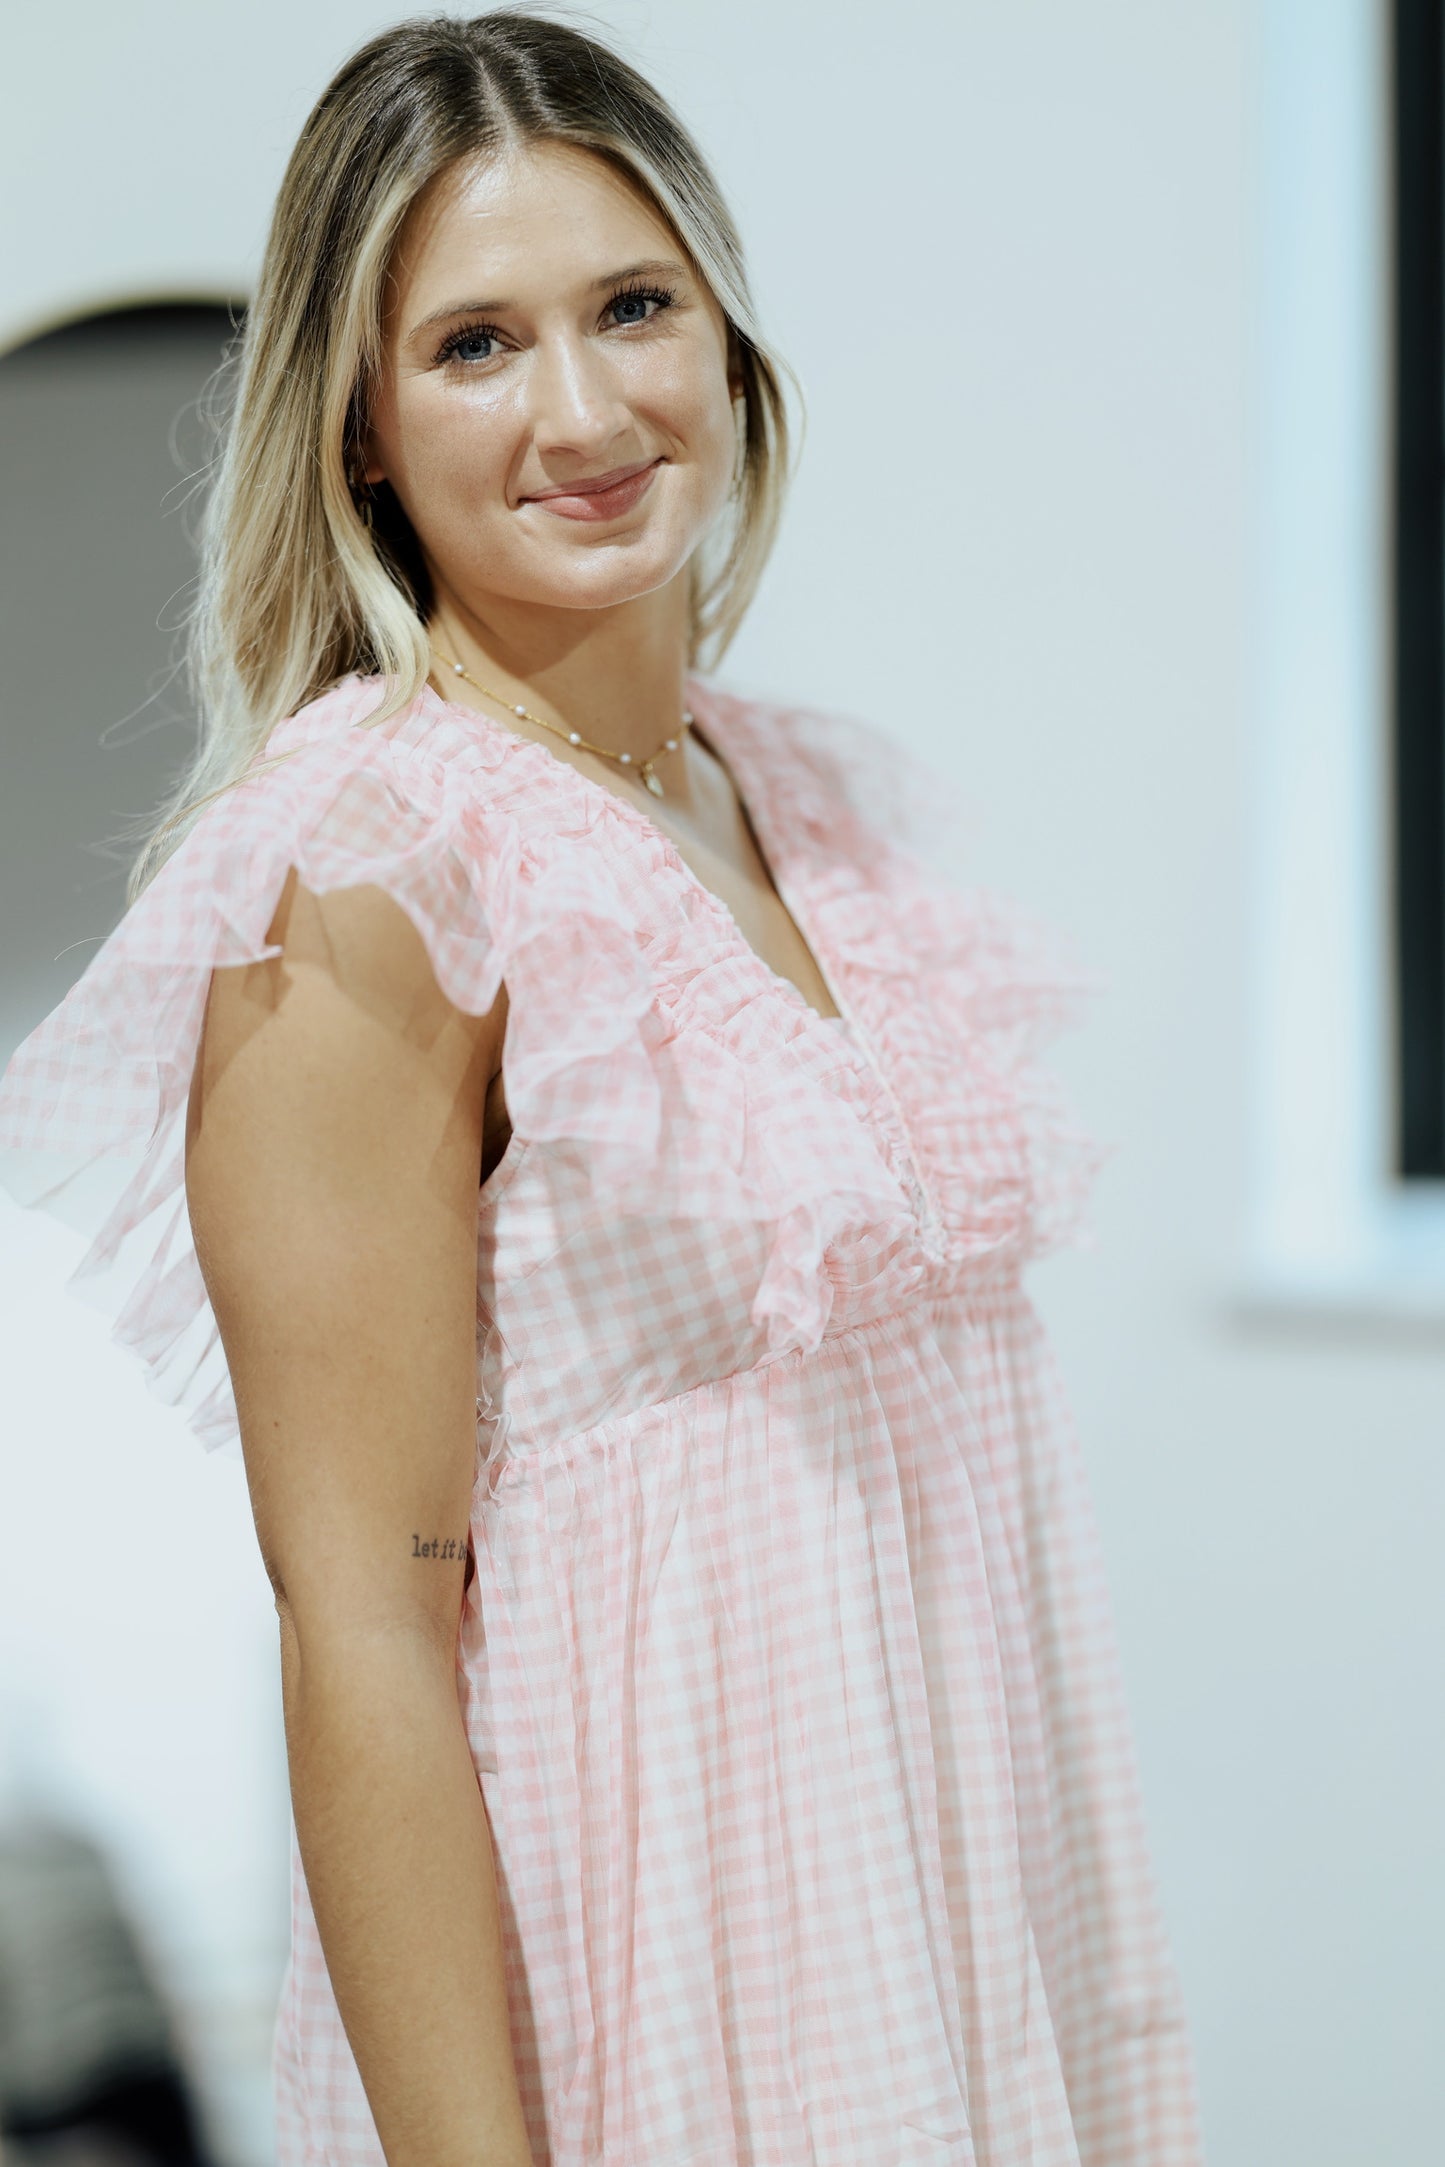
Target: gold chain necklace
574, 737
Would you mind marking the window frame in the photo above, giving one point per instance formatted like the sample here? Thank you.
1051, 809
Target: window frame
1333, 1233
1418, 585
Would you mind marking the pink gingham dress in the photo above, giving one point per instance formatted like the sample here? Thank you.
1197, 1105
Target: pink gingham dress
787, 1665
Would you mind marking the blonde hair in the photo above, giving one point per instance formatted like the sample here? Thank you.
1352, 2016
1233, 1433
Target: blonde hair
295, 590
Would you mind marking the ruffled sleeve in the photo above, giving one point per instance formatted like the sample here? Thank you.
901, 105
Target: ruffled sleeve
93, 1103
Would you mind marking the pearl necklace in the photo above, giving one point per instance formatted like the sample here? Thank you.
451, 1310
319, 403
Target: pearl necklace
574, 737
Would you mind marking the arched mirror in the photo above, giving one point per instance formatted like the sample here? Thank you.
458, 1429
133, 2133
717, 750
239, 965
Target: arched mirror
101, 438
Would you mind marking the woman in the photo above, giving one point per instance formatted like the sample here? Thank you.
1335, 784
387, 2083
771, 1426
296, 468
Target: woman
704, 1730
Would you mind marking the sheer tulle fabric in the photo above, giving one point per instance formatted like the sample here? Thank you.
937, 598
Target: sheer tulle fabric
787, 1664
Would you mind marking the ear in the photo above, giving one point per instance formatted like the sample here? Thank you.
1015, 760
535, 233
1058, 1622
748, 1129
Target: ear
737, 389
368, 465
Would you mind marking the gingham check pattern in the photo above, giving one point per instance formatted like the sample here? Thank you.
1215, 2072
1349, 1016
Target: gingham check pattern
787, 1667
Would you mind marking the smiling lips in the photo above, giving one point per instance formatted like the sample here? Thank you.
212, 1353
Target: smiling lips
605, 496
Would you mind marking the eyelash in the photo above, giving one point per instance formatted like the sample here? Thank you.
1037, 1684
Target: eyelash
664, 296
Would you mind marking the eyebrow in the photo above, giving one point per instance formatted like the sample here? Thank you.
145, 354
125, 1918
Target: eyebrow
650, 267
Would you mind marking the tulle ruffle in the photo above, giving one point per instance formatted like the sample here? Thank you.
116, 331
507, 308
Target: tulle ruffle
958, 991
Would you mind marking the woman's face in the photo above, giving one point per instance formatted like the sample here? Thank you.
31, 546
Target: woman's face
556, 413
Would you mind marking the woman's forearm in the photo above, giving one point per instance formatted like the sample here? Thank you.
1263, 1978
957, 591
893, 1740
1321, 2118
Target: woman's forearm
397, 1852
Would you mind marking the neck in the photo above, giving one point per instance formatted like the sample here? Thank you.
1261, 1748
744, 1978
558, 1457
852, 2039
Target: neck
618, 675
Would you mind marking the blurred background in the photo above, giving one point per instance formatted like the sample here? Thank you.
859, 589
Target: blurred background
1120, 330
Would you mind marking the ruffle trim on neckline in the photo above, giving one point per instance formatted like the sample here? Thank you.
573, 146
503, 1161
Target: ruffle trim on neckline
956, 990
689, 1078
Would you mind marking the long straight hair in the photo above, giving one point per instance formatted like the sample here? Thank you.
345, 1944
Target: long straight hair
295, 589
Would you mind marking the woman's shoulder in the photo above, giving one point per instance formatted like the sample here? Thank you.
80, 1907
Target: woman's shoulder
93, 1103
360, 717
346, 703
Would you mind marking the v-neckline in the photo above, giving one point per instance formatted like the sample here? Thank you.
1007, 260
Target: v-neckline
845, 1024
600, 792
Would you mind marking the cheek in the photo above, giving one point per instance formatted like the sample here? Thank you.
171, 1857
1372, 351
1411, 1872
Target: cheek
687, 398
454, 444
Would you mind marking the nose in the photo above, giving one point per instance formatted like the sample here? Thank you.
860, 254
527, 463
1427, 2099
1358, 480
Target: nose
575, 397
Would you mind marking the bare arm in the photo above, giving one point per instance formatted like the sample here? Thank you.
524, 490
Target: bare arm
333, 1156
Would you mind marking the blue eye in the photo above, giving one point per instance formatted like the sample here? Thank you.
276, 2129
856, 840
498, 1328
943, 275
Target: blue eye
467, 345
638, 304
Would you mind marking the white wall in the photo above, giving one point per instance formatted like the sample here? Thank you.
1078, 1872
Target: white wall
1020, 257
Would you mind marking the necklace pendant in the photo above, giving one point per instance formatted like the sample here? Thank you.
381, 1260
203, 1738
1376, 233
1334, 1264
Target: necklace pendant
651, 780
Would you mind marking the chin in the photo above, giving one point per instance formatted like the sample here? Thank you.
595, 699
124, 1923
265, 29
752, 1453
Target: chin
603, 579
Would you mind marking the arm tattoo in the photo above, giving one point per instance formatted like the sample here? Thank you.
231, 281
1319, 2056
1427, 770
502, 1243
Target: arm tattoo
438, 1547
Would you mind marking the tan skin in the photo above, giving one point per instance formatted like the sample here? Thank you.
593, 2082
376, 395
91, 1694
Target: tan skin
343, 1111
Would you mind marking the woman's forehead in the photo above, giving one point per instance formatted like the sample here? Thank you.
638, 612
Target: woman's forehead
521, 218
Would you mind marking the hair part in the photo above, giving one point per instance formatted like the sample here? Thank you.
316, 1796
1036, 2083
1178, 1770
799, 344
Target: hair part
295, 589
